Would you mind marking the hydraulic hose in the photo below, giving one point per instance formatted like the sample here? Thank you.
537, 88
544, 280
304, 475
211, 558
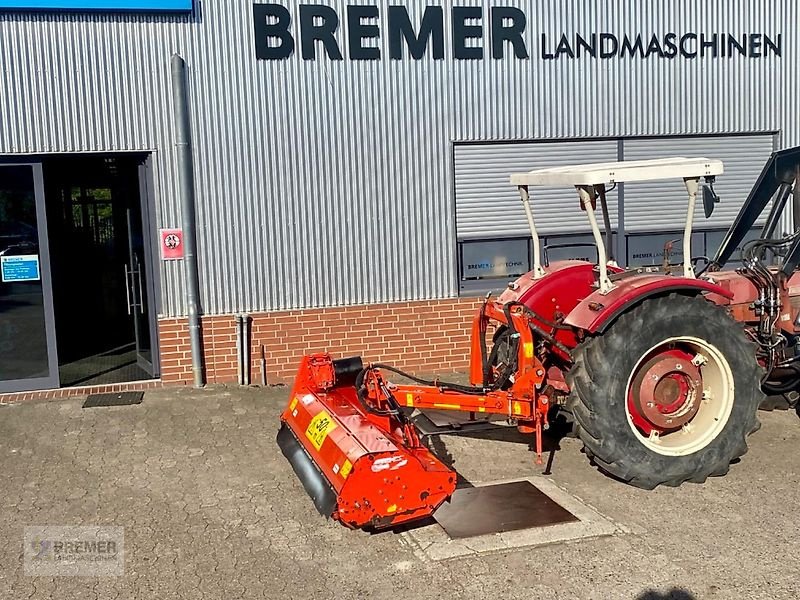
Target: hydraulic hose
541, 332
538, 330
768, 284
513, 352
501, 380
361, 393
509, 370
544, 320
455, 387
781, 388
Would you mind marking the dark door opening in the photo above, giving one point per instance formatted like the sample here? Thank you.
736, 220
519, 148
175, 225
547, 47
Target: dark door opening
99, 268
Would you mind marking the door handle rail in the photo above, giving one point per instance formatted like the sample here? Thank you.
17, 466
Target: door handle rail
141, 293
127, 288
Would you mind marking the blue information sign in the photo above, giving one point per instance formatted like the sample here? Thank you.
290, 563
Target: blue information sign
19, 268
144, 5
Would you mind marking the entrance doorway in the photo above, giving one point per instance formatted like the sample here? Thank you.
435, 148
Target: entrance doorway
77, 289
100, 263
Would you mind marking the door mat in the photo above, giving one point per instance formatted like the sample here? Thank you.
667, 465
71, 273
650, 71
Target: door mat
113, 399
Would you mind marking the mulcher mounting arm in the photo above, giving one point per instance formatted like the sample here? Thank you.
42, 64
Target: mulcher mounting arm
512, 389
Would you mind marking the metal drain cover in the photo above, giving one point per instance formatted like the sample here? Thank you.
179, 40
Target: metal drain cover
113, 399
474, 511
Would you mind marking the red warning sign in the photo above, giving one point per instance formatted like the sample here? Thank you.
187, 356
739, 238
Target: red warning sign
172, 244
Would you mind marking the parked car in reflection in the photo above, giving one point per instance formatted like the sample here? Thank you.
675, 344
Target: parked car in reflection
18, 238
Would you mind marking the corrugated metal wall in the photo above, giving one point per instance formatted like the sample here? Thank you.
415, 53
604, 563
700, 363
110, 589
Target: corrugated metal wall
487, 205
323, 182
659, 205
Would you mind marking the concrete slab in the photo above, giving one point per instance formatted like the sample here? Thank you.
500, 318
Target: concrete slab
431, 543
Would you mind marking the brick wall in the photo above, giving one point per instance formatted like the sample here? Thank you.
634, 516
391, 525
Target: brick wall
424, 336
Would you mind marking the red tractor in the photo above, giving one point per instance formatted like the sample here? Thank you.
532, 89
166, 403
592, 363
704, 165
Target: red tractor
662, 369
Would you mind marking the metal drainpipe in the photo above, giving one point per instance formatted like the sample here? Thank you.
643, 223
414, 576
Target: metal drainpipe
263, 366
183, 144
246, 342
239, 349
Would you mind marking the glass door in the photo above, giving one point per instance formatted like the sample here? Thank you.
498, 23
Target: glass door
27, 328
142, 234
136, 294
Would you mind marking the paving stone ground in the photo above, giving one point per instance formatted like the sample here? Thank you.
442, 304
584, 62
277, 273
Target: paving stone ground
210, 509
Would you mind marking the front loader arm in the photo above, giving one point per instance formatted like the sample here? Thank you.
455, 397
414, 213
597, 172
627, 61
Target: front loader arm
780, 171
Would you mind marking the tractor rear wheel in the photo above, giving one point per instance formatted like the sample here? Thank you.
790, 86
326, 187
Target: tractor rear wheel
667, 394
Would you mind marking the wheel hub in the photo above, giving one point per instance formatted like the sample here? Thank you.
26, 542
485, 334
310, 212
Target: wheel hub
666, 392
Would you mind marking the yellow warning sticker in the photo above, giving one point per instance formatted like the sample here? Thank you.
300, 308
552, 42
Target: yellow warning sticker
517, 408
527, 347
409, 399
293, 404
319, 428
346, 468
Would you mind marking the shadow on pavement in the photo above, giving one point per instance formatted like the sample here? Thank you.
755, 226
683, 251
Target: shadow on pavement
673, 594
551, 442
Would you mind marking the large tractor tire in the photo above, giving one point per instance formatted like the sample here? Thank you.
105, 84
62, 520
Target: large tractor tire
667, 394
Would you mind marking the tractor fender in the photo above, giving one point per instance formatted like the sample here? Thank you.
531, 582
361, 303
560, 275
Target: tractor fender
597, 311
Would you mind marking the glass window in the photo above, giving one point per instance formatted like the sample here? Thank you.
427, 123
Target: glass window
23, 335
494, 258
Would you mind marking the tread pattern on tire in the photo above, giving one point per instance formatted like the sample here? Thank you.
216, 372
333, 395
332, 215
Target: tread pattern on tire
597, 397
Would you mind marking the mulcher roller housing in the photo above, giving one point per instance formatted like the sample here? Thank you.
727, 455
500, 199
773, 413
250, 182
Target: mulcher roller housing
357, 467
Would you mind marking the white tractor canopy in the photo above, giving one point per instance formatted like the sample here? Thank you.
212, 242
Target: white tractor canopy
616, 172
590, 181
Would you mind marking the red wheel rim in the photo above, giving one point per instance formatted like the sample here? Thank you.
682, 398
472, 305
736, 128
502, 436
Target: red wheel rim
665, 392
